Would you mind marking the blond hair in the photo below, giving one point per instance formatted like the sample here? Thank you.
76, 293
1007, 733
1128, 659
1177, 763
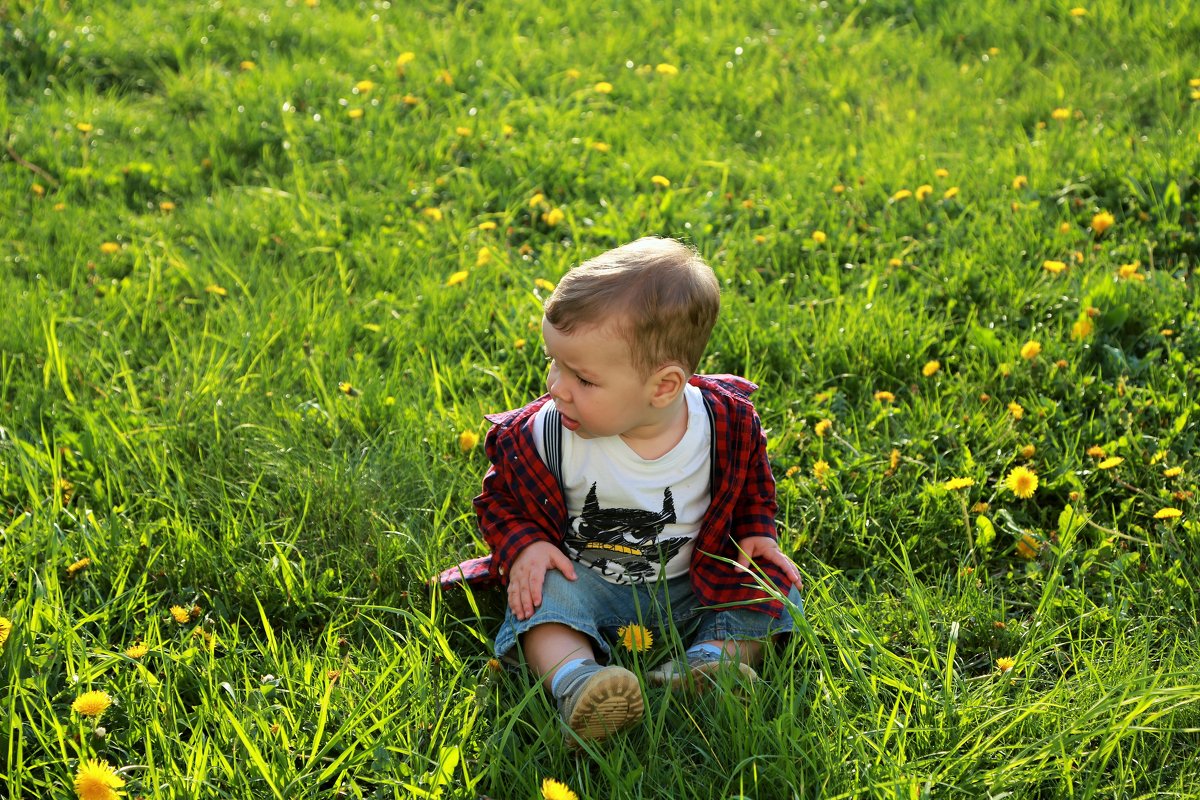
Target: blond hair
660, 294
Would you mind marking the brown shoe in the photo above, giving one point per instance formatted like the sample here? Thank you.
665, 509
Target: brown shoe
699, 675
605, 701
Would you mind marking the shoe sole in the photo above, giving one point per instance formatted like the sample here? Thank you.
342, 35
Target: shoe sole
610, 702
704, 676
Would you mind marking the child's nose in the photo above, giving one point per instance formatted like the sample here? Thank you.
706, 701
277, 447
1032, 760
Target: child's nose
555, 386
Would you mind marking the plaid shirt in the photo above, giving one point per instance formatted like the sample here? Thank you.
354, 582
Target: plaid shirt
521, 502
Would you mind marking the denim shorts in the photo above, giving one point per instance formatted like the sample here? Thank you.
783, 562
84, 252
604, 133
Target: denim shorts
597, 608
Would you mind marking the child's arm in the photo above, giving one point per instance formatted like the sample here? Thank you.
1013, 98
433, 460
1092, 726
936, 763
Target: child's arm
754, 514
520, 510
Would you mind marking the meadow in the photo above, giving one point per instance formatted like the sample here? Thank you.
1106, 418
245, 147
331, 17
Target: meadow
267, 265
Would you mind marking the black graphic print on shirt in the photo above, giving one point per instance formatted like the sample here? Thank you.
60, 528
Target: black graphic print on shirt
623, 543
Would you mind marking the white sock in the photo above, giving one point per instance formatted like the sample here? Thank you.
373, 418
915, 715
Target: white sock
705, 651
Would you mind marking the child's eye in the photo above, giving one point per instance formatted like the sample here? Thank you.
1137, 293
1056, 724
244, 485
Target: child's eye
584, 381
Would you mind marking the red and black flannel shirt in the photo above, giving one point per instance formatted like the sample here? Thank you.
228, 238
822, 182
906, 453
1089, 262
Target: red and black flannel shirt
521, 502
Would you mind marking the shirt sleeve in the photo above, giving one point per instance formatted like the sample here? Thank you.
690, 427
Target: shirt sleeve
754, 511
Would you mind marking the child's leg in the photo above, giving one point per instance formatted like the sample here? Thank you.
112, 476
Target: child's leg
551, 645
559, 641
726, 638
747, 651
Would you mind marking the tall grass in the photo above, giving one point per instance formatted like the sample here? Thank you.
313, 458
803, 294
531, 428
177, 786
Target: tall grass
239, 352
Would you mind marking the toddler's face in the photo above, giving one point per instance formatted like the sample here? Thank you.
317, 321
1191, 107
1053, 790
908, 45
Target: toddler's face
594, 383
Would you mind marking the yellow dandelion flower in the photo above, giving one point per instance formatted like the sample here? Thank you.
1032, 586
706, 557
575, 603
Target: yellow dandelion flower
403, 60
362, 87
554, 217
635, 638
1020, 182
166, 206
1130, 271
1022, 482
84, 127
1028, 547
1082, 328
950, 193
542, 283
883, 396
556, 790
97, 780
1102, 222
247, 66
484, 257
494, 665
923, 191
1060, 114
463, 131
941, 172
1194, 83
819, 237
78, 565
1030, 350
6, 627
980, 508
410, 100
346, 388
838, 188
1079, 11
91, 704
457, 278
467, 441
931, 368
216, 289
181, 614
822, 427
1167, 513
1054, 267
894, 459
903, 194
1005, 664
821, 471
1096, 451
667, 69
138, 650
955, 484
1016, 409
538, 199
444, 77
603, 87
38, 189
518, 343
1109, 463
601, 147
661, 181
895, 262
1173, 472
109, 248
1027, 451
760, 239
432, 214
487, 225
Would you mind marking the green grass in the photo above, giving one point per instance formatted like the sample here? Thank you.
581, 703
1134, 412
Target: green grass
253, 405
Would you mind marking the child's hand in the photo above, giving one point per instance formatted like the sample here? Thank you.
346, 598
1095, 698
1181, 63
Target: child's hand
529, 571
764, 548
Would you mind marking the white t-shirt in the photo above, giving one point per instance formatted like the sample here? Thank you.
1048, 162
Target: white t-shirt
634, 519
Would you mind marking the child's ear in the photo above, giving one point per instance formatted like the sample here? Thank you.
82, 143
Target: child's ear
669, 382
